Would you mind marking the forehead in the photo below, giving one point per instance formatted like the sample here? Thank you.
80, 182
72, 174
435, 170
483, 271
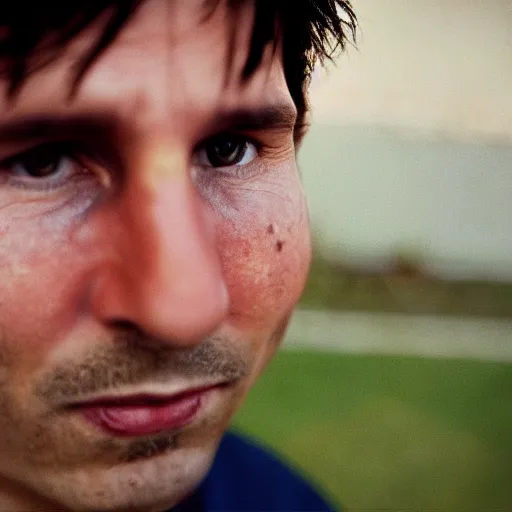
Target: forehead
173, 55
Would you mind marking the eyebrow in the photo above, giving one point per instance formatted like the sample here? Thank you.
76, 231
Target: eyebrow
103, 126
57, 127
282, 116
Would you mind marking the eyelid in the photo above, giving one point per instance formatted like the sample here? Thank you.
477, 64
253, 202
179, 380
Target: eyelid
231, 133
70, 150
61, 148
258, 145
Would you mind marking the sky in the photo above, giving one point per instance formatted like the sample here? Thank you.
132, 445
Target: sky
441, 66
411, 140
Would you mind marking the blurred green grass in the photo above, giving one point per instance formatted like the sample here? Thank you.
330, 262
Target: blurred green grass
390, 433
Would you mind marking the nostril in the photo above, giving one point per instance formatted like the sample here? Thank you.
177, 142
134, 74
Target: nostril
130, 334
125, 326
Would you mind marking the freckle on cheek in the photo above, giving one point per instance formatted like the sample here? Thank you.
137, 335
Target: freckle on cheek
271, 230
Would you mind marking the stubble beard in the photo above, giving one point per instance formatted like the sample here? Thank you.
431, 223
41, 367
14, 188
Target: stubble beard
58, 456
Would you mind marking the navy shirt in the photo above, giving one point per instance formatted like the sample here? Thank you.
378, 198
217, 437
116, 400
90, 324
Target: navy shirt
245, 478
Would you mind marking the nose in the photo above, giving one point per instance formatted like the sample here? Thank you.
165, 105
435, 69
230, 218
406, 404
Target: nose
162, 273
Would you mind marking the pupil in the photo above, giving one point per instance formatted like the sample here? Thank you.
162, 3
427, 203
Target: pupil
226, 148
41, 163
225, 151
41, 170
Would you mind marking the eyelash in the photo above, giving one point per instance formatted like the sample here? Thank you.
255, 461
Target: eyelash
60, 151
76, 155
238, 138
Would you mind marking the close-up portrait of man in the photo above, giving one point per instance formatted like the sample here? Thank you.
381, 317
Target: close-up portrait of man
154, 242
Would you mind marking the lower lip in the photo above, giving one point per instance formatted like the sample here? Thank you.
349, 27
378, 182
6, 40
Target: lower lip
145, 418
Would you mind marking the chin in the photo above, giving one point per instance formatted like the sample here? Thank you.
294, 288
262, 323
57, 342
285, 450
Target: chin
146, 474
69, 463
152, 483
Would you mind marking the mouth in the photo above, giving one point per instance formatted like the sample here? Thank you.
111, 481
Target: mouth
145, 414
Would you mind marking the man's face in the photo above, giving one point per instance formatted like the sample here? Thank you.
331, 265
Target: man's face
154, 241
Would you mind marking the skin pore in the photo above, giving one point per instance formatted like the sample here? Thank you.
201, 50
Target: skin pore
137, 258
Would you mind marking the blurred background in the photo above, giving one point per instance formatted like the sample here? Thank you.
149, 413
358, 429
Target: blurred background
394, 387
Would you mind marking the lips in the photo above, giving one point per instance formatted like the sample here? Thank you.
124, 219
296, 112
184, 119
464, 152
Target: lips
141, 415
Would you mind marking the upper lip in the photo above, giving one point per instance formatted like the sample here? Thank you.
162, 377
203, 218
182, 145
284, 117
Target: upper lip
144, 399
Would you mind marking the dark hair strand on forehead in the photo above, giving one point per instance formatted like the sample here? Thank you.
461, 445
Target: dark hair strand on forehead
33, 34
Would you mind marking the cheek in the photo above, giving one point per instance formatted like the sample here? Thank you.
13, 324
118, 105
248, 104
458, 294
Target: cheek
36, 296
38, 264
265, 251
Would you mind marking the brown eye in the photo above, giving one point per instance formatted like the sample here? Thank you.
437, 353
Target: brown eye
226, 151
53, 166
41, 162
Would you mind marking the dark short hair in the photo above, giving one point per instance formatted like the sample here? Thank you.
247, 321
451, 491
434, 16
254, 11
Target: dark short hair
33, 34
